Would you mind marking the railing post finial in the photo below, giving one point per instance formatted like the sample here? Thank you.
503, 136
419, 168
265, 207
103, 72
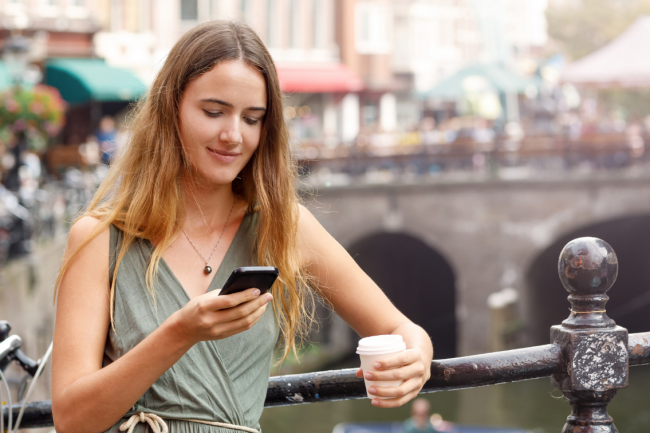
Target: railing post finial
588, 268
593, 347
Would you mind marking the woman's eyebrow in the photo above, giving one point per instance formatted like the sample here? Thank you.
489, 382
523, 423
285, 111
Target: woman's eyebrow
228, 104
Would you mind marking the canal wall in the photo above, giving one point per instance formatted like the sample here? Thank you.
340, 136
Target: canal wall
26, 291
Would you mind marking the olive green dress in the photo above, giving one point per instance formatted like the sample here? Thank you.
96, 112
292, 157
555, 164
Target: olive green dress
223, 380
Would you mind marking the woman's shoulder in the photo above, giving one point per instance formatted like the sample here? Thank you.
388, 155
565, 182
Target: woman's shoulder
307, 222
311, 235
83, 229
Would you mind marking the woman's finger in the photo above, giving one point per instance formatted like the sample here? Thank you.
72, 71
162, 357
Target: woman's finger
224, 330
212, 301
243, 310
406, 357
394, 402
402, 373
409, 386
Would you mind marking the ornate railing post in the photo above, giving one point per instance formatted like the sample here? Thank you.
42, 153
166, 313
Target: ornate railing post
594, 349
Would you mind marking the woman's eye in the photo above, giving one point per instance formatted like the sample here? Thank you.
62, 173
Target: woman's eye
251, 121
212, 113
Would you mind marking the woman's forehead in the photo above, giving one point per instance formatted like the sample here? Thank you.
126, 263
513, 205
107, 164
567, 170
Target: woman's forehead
233, 81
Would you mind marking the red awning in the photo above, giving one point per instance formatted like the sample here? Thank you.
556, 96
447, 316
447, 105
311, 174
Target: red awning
325, 78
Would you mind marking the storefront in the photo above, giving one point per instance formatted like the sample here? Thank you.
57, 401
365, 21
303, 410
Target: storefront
92, 89
322, 102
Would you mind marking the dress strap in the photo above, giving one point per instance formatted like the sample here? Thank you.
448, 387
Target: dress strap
158, 425
115, 243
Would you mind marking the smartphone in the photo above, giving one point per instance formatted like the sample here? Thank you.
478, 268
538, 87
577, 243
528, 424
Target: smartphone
260, 277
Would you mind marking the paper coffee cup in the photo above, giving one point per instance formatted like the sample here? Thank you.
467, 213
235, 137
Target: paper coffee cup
373, 349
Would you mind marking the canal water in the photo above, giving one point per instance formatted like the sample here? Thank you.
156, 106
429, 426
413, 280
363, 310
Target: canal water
534, 405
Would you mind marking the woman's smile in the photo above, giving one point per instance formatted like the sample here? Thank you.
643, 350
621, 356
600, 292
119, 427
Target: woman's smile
223, 155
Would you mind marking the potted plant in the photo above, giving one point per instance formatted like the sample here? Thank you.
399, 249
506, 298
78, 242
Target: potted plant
29, 118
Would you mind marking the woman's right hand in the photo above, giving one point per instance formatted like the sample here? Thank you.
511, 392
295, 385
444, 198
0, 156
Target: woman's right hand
213, 317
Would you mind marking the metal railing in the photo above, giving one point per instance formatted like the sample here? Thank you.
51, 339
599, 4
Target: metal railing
533, 156
588, 358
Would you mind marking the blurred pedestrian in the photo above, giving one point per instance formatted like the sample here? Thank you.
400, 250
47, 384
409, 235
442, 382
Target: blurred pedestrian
106, 137
419, 422
90, 151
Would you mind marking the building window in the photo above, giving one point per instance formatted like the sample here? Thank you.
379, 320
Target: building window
373, 28
317, 17
294, 22
245, 10
189, 10
270, 23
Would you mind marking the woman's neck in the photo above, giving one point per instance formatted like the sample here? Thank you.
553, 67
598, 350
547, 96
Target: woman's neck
206, 208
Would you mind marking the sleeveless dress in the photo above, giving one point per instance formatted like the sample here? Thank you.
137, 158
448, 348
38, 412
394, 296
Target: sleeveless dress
223, 380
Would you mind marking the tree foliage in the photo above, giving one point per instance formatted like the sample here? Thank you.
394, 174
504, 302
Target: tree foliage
581, 27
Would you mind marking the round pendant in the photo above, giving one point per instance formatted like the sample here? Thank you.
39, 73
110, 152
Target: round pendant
207, 270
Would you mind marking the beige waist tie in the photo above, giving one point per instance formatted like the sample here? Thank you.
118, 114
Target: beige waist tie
158, 425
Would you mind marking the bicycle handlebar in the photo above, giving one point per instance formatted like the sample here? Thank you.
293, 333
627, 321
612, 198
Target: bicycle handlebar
4, 330
9, 346
28, 364
10, 351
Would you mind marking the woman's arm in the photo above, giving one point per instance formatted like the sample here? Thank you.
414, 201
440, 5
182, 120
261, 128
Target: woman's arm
89, 398
362, 304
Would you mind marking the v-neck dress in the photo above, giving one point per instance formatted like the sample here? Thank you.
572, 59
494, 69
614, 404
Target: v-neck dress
223, 380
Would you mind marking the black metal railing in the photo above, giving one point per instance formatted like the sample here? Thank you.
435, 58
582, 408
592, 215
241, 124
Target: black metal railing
588, 358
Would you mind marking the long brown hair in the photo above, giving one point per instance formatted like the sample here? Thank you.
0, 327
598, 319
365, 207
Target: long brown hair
142, 193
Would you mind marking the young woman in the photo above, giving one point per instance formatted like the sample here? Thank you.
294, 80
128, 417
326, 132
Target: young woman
143, 342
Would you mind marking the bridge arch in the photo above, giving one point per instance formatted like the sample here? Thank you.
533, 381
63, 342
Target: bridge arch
417, 279
630, 295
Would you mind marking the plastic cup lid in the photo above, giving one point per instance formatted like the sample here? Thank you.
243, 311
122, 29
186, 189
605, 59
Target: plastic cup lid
381, 344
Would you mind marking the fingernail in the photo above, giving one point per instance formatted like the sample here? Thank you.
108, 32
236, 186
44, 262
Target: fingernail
375, 402
268, 298
368, 376
372, 390
256, 293
376, 365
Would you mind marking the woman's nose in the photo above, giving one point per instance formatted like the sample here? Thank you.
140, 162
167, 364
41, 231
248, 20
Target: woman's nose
231, 133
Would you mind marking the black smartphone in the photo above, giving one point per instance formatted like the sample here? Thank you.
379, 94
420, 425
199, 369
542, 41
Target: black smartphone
260, 277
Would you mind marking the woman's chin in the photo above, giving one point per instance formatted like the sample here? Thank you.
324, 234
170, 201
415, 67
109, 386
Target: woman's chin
215, 182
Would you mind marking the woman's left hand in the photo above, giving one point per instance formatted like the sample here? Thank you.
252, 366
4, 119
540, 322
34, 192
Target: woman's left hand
410, 366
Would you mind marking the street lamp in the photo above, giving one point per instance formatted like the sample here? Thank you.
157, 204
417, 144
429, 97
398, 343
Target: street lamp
15, 54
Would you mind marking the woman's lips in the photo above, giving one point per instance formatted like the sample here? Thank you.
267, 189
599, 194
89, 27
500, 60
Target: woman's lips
223, 155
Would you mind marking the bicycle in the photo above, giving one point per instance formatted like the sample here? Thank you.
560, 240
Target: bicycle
10, 352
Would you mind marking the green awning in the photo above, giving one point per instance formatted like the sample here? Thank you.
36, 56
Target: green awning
499, 79
82, 80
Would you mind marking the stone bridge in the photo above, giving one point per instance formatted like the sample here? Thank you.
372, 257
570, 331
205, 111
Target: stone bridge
439, 249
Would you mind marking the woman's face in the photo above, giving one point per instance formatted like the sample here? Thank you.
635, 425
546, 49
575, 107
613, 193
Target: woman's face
221, 114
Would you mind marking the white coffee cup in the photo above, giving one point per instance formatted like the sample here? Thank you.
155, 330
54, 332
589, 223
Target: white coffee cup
373, 349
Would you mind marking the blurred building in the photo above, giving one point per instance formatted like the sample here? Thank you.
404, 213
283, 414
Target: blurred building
61, 28
346, 66
477, 40
62, 53
432, 40
300, 34
403, 48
